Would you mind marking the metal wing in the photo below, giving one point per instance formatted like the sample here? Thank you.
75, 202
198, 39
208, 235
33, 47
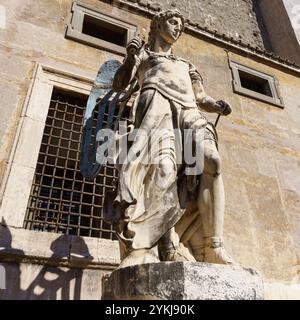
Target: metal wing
103, 113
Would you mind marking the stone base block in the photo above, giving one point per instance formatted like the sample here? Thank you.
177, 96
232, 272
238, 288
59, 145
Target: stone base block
183, 281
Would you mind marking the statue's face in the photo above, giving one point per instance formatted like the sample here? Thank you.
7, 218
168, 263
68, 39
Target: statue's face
170, 29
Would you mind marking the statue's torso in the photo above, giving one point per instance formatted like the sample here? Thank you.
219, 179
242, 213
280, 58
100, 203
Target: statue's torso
169, 75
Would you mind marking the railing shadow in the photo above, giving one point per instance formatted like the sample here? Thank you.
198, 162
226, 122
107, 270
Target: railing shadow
55, 279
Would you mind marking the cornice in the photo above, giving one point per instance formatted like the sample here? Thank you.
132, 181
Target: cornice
196, 29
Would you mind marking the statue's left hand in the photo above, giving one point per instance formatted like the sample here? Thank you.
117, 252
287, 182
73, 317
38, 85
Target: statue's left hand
225, 107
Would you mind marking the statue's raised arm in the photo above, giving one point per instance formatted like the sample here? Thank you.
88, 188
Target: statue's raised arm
127, 72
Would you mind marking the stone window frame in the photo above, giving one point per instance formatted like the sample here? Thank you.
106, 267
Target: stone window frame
75, 26
21, 168
276, 98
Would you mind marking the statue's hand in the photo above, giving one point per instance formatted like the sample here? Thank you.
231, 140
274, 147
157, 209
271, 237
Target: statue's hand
134, 46
224, 107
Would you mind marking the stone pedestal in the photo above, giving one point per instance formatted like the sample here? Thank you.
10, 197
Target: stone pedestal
183, 281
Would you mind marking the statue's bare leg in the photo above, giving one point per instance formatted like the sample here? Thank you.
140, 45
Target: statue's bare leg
211, 204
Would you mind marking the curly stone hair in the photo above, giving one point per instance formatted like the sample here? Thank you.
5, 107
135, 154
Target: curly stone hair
157, 19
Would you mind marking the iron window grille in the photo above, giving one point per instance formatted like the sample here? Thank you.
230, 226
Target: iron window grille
61, 200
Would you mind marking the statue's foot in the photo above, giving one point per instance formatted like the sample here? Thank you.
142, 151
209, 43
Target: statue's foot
217, 255
179, 254
140, 256
214, 252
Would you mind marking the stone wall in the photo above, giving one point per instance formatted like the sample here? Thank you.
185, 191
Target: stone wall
222, 16
37, 282
259, 146
56, 267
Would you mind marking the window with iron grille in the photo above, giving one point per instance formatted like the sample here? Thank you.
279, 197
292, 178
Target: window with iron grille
61, 200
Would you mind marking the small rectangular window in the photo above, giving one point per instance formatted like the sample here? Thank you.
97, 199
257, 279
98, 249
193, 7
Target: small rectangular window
99, 30
255, 84
104, 31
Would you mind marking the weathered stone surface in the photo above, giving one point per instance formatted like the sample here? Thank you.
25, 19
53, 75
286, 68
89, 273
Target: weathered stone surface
17, 188
95, 251
37, 282
281, 291
16, 244
222, 16
183, 281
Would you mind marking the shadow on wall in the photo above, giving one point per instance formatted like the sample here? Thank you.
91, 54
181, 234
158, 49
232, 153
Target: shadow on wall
12, 271
51, 282
263, 29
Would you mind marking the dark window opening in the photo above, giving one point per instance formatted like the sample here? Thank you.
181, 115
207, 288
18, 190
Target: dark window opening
255, 83
105, 31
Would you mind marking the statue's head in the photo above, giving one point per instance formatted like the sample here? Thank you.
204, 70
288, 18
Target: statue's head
168, 24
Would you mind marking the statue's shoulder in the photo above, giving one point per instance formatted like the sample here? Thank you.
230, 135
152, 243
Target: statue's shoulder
191, 66
183, 59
